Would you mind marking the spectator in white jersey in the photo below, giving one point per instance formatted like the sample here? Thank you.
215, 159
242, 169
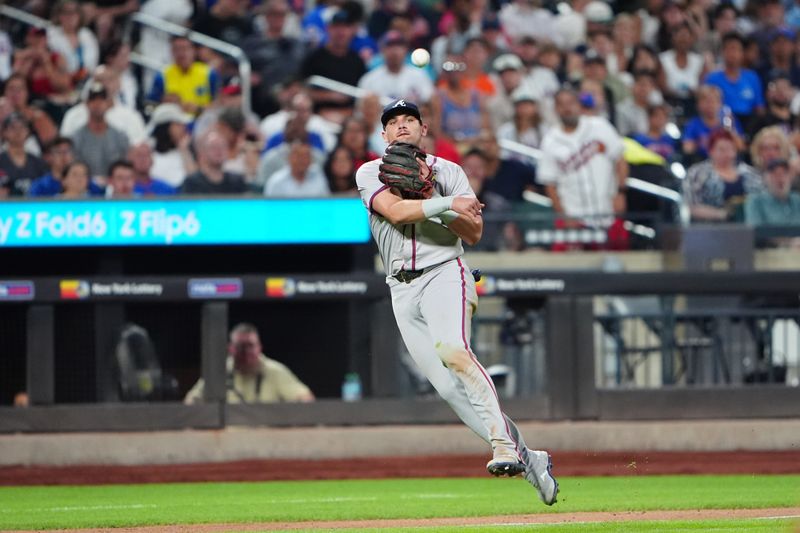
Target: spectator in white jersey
583, 168
395, 78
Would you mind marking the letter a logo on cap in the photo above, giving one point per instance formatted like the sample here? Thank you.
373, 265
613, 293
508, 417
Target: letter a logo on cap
400, 103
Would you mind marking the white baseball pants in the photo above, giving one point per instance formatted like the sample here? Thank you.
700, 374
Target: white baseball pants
434, 314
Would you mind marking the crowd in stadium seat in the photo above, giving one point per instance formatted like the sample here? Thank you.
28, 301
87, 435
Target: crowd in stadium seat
710, 86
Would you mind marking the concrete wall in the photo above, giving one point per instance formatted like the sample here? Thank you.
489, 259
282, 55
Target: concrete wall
237, 443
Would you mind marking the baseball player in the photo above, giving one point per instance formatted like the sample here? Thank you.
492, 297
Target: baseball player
420, 209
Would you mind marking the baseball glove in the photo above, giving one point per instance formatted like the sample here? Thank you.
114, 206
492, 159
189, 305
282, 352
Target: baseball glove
401, 170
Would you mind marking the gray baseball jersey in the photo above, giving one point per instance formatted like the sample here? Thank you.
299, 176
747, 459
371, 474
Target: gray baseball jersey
434, 310
421, 245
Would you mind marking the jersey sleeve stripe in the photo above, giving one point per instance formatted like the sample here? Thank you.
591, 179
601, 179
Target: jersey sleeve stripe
376, 193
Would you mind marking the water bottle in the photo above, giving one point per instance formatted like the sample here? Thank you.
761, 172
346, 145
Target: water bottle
727, 118
351, 387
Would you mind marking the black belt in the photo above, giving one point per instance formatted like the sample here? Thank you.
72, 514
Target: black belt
407, 276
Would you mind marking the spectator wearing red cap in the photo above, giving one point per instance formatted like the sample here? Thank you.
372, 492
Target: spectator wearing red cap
715, 189
229, 97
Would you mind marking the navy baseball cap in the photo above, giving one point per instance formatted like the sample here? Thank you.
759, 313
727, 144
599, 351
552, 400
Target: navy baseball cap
400, 107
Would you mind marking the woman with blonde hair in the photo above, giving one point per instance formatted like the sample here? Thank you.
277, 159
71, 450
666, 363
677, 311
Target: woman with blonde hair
72, 39
769, 144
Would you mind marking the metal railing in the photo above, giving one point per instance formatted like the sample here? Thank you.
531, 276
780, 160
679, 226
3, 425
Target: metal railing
343, 88
653, 344
23, 16
204, 40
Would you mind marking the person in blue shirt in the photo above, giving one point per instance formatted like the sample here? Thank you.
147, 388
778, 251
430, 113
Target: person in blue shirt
58, 154
140, 157
655, 138
741, 88
711, 116
315, 32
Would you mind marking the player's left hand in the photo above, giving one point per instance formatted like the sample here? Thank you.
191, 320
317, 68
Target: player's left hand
403, 168
469, 207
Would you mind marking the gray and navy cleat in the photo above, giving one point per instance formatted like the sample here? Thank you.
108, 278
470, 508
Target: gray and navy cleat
537, 473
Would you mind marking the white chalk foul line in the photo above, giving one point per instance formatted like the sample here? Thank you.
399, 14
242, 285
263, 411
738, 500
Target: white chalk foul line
71, 508
784, 517
338, 499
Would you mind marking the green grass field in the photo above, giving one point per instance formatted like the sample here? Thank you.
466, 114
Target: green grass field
194, 503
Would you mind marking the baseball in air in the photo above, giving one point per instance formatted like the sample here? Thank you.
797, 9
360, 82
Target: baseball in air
420, 57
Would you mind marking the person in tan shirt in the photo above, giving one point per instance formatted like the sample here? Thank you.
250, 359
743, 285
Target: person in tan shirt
253, 377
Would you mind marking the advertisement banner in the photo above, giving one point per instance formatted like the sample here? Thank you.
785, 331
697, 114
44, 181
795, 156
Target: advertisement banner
174, 222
